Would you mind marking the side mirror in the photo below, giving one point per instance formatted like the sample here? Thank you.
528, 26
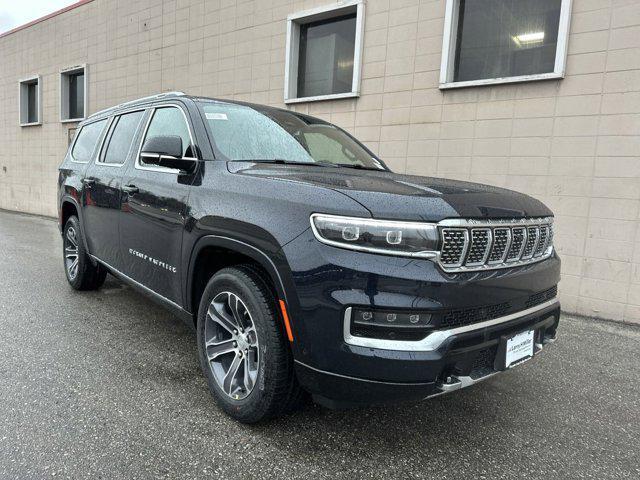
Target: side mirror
166, 151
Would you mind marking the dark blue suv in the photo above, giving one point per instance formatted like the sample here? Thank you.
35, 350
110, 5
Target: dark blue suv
302, 261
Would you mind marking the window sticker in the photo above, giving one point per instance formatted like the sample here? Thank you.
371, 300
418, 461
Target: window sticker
216, 116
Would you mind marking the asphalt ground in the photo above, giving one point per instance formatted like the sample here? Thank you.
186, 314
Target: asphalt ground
106, 384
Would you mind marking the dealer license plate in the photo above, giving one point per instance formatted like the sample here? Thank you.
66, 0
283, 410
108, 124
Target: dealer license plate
519, 348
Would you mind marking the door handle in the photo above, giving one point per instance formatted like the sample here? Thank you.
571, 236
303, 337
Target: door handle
130, 189
88, 181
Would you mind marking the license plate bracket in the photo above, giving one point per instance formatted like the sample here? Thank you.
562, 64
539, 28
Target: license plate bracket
515, 349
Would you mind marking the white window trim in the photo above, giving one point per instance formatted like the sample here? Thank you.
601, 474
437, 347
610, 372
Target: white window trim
449, 51
67, 71
293, 42
38, 79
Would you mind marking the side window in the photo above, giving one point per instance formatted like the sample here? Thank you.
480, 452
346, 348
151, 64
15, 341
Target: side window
122, 133
169, 121
86, 142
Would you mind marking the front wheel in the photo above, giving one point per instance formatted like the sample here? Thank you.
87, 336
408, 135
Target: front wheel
81, 273
242, 347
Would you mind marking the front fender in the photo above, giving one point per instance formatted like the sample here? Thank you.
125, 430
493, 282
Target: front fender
256, 244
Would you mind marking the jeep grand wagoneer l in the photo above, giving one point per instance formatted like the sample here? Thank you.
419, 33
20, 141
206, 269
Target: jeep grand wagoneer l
301, 260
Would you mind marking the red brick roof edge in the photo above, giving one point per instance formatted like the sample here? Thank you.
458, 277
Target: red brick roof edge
46, 17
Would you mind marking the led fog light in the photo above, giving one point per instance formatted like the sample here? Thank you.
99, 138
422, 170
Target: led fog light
387, 324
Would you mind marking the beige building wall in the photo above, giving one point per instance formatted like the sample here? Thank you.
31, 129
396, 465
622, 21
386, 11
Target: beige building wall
573, 143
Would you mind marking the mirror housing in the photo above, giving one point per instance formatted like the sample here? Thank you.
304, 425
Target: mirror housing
166, 151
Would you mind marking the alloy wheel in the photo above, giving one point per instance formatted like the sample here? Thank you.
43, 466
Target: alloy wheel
71, 257
231, 345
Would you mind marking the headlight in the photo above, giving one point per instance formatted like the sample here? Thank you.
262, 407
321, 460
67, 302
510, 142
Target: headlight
408, 239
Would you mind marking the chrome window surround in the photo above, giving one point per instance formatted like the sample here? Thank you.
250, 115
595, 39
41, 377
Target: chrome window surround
107, 137
101, 138
137, 165
434, 340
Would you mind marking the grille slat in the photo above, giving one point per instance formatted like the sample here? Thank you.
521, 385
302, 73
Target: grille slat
454, 246
501, 243
518, 240
478, 245
542, 241
533, 234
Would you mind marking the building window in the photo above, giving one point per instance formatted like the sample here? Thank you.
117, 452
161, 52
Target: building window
324, 53
73, 94
30, 113
503, 41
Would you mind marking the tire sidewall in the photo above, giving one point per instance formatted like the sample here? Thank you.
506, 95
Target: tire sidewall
77, 281
259, 398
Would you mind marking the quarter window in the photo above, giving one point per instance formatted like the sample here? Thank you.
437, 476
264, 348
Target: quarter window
123, 131
170, 121
500, 41
324, 53
86, 141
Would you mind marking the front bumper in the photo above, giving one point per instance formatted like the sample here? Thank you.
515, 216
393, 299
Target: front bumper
326, 281
461, 360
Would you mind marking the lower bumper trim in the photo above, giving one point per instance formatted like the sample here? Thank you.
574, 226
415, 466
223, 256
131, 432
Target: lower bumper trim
436, 339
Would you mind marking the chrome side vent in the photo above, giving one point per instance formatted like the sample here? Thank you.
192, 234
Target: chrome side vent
470, 245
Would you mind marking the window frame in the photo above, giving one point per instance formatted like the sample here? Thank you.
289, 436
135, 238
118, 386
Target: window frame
449, 51
292, 49
156, 168
111, 127
23, 100
64, 95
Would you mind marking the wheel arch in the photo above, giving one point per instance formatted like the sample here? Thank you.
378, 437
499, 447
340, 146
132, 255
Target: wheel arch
68, 207
236, 251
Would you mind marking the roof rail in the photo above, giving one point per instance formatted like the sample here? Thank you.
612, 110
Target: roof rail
130, 102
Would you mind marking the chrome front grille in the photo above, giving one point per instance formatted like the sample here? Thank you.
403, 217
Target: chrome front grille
469, 245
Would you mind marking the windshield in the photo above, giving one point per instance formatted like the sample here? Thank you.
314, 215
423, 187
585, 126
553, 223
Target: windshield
241, 133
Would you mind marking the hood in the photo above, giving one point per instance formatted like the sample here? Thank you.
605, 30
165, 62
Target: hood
390, 195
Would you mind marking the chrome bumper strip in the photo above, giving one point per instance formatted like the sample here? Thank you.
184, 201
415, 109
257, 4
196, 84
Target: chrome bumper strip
437, 338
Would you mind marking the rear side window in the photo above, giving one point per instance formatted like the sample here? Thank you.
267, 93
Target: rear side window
122, 133
86, 141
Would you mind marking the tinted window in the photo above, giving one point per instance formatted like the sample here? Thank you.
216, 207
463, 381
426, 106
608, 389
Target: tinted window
76, 95
242, 132
325, 65
86, 142
32, 102
170, 121
506, 38
121, 137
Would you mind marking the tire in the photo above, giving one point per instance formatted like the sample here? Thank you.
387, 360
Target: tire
265, 385
80, 272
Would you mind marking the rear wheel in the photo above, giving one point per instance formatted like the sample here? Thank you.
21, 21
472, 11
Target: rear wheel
81, 273
243, 351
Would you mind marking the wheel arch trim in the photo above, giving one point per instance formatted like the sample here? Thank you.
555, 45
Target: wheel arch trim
241, 247
66, 198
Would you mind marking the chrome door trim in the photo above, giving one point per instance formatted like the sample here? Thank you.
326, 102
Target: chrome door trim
138, 284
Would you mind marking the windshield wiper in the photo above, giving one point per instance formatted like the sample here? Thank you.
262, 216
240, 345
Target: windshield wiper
282, 161
357, 166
